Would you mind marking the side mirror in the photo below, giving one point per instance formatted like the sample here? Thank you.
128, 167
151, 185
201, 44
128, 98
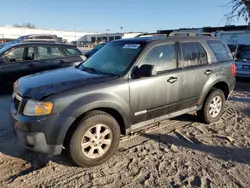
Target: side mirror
5, 60
145, 70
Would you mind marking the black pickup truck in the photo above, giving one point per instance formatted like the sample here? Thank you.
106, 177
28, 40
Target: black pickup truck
126, 86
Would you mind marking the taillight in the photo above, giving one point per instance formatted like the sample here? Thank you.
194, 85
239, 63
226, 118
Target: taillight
234, 70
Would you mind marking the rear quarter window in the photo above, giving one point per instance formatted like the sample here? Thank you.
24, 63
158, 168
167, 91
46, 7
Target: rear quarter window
71, 51
220, 50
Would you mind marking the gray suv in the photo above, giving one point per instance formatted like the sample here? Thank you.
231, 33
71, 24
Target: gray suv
126, 86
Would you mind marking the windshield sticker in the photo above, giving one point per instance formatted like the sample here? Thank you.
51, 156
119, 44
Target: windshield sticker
131, 46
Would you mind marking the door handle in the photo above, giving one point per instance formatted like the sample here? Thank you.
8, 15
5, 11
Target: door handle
208, 72
172, 79
31, 65
63, 62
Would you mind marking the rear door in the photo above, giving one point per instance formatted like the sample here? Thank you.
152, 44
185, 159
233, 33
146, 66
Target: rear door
49, 57
72, 54
18, 62
197, 69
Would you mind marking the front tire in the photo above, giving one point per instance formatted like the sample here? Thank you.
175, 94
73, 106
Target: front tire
95, 140
213, 107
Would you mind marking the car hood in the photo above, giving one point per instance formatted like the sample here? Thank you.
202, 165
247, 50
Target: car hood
46, 83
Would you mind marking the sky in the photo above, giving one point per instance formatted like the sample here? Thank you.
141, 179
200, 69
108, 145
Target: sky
100, 15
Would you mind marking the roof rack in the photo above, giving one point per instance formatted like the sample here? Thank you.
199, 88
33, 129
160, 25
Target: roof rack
179, 33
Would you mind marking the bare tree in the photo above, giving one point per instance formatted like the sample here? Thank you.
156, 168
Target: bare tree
29, 25
16, 25
239, 9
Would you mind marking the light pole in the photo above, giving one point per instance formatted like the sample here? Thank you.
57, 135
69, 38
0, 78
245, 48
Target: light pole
75, 32
107, 35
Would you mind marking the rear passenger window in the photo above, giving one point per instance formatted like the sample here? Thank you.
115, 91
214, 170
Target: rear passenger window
193, 54
48, 52
220, 50
163, 57
72, 51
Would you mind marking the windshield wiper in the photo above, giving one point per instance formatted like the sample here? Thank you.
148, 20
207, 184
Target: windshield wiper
88, 69
92, 70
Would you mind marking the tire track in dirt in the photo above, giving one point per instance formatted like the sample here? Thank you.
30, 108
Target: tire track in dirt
127, 143
144, 162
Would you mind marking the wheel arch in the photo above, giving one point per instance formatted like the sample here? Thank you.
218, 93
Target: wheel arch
221, 84
111, 111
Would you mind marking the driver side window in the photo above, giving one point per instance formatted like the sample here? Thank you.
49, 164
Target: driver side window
163, 57
15, 55
19, 54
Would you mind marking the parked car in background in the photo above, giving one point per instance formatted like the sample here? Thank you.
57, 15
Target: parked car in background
243, 64
241, 54
17, 60
94, 50
128, 85
33, 37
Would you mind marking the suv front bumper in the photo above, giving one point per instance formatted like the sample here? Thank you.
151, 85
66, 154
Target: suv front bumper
37, 142
44, 134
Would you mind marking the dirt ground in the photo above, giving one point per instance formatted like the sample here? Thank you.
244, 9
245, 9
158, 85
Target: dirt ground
182, 152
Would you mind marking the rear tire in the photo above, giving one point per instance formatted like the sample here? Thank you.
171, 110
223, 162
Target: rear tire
95, 140
213, 107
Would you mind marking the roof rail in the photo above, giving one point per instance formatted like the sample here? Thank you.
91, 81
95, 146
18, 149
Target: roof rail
151, 35
178, 33
41, 40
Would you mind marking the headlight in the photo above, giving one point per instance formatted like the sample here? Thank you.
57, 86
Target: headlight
35, 108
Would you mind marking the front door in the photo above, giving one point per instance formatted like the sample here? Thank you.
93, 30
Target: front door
155, 96
197, 70
16, 63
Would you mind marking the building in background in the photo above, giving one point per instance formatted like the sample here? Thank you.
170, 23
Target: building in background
10, 32
92, 39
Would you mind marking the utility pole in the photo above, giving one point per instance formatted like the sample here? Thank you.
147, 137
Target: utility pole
75, 33
107, 35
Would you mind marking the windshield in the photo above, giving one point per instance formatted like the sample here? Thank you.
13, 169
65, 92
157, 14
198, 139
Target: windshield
113, 58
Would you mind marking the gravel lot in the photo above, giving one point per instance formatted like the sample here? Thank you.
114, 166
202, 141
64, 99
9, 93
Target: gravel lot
182, 152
